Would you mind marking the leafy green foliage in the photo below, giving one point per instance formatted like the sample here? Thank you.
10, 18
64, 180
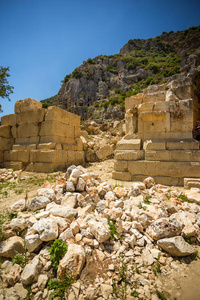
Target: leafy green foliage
146, 199
160, 295
52, 101
111, 69
57, 251
20, 259
156, 267
91, 61
5, 88
45, 104
5, 218
77, 73
113, 229
60, 285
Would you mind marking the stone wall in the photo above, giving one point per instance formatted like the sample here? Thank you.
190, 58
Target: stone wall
159, 139
39, 139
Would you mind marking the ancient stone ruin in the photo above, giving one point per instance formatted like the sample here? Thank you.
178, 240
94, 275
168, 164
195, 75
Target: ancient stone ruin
38, 139
160, 135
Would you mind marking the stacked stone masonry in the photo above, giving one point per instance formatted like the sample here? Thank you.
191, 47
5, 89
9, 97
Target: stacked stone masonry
39, 139
160, 137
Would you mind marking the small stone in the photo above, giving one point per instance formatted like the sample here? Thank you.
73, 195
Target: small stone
11, 246
176, 246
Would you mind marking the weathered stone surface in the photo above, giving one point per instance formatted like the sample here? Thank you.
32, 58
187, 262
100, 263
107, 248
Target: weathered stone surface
176, 246
47, 229
18, 206
38, 203
99, 230
46, 192
166, 228
73, 260
11, 246
27, 104
32, 242
103, 152
31, 272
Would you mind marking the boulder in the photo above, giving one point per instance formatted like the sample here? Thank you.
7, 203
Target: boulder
46, 192
11, 246
99, 230
73, 260
38, 203
31, 272
166, 227
18, 206
176, 246
32, 242
47, 229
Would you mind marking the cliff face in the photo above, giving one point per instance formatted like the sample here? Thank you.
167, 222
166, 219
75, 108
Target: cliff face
98, 87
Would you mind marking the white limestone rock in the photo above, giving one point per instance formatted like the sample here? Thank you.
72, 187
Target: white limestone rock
32, 242
46, 192
176, 246
47, 229
38, 203
31, 271
99, 230
11, 246
17, 206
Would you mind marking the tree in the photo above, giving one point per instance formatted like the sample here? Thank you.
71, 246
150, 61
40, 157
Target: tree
5, 88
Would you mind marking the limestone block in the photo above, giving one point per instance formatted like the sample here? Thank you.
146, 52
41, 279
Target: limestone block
55, 113
155, 88
77, 131
49, 128
131, 123
75, 157
173, 155
182, 88
57, 139
5, 144
31, 140
154, 144
27, 104
104, 152
132, 144
9, 120
74, 120
17, 155
5, 131
77, 145
41, 167
154, 97
180, 125
124, 176
163, 168
146, 107
15, 165
181, 144
132, 101
48, 156
121, 166
24, 147
1, 156
31, 116
164, 106
191, 182
154, 122
129, 154
46, 146
25, 130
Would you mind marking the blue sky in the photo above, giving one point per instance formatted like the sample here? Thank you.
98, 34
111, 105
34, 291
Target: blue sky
43, 40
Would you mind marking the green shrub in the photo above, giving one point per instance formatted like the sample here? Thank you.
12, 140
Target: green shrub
57, 251
113, 229
91, 61
66, 79
20, 259
77, 73
45, 104
111, 69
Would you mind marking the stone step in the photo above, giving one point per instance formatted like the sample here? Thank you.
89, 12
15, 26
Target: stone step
15, 165
159, 168
132, 144
173, 155
182, 144
191, 182
129, 154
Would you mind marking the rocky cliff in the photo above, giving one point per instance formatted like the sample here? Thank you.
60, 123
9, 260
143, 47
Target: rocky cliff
97, 89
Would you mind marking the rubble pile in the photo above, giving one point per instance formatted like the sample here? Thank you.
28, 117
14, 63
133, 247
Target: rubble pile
118, 238
8, 174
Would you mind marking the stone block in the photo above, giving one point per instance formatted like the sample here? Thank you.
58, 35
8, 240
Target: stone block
165, 135
132, 144
17, 155
173, 155
75, 157
52, 128
1, 156
42, 167
57, 139
48, 156
46, 146
153, 122
5, 131
181, 144
155, 88
154, 144
27, 104
74, 120
154, 97
191, 183
164, 106
124, 176
131, 123
77, 145
54, 113
15, 165
146, 107
77, 131
25, 130
182, 88
5, 144
31, 140
164, 168
121, 166
132, 101
24, 147
129, 154
31, 116
9, 120
170, 181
